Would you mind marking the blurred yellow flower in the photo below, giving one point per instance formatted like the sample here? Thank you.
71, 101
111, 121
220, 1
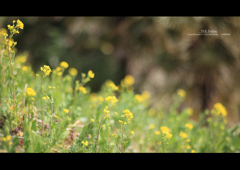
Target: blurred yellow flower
82, 89
66, 110
183, 135
193, 151
189, 126
152, 126
30, 92
132, 132
220, 109
8, 138
165, 129
44, 98
167, 135
157, 132
112, 99
92, 120
181, 93
85, 143
64, 64
73, 71
90, 74
24, 68
111, 85
127, 81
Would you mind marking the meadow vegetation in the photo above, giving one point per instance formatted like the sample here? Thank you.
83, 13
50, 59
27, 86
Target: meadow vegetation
50, 111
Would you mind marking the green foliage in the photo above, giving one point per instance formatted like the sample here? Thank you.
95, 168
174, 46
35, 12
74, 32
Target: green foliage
44, 112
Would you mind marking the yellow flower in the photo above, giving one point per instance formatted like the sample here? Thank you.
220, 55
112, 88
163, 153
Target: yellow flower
193, 151
111, 85
188, 146
103, 126
24, 68
64, 64
82, 89
143, 97
19, 24
132, 132
183, 135
66, 110
10, 143
165, 129
73, 71
4, 139
106, 111
46, 69
30, 92
127, 81
168, 135
157, 132
115, 113
181, 93
92, 120
188, 140
189, 126
111, 99
90, 74
220, 109
85, 143
44, 98
8, 138
100, 98
151, 126
128, 114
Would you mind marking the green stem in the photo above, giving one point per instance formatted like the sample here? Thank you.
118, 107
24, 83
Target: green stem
98, 135
122, 127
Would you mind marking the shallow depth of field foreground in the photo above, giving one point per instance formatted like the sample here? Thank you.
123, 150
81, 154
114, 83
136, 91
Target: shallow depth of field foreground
50, 111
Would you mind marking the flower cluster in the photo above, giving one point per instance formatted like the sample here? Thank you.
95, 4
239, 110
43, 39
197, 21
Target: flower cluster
46, 69
127, 81
112, 99
220, 109
128, 115
14, 29
7, 139
90, 74
82, 89
111, 85
58, 71
183, 135
189, 126
165, 129
85, 143
143, 97
30, 92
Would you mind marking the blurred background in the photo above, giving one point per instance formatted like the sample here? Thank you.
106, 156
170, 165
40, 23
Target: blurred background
157, 51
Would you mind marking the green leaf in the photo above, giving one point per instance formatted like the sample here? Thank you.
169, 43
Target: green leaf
34, 125
15, 143
63, 135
